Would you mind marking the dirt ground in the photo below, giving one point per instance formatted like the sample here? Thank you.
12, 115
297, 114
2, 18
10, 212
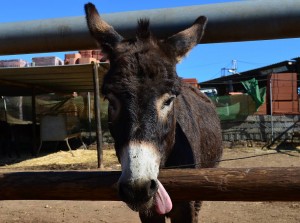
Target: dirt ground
113, 212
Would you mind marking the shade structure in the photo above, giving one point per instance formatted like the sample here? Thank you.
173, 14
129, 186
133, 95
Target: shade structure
27, 81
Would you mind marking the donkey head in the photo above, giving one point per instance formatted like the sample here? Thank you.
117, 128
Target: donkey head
141, 87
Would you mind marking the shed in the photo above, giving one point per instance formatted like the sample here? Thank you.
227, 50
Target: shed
233, 82
32, 81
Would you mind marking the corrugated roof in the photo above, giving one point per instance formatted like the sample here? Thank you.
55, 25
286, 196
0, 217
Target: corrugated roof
41, 80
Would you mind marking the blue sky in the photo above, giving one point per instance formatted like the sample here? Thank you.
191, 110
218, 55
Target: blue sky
204, 62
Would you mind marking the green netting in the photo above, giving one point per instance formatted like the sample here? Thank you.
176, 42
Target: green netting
234, 107
238, 107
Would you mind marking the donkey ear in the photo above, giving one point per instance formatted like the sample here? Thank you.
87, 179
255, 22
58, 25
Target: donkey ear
105, 34
182, 42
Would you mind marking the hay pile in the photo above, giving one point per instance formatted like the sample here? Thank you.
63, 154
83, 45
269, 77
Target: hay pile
63, 160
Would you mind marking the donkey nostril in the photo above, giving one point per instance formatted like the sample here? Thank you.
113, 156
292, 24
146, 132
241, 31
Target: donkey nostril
153, 185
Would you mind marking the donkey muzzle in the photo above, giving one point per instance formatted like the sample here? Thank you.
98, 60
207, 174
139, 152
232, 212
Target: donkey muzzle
137, 193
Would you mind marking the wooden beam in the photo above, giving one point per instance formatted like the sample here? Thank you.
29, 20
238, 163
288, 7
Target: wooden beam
218, 184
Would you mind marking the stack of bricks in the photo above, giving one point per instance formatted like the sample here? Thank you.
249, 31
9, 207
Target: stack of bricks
13, 63
191, 81
97, 54
84, 57
86, 53
72, 58
47, 61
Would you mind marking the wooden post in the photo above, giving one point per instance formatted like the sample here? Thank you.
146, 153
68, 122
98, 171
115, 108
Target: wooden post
97, 115
5, 107
33, 109
89, 117
215, 184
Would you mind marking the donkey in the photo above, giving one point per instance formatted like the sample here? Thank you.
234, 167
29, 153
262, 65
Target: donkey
155, 119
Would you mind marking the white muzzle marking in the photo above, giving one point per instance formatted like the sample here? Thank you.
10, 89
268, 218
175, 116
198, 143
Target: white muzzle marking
139, 161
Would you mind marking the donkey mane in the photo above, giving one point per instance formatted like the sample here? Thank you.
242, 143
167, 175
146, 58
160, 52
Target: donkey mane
143, 30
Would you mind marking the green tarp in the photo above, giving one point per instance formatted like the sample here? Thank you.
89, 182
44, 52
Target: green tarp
252, 88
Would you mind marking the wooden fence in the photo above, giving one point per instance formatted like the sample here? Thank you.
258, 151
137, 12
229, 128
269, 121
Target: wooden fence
217, 184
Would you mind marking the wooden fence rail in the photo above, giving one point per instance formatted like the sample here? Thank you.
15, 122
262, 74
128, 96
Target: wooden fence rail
219, 184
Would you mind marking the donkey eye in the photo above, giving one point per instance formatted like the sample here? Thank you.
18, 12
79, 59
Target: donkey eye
169, 101
164, 106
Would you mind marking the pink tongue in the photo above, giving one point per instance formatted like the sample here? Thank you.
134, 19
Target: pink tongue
163, 203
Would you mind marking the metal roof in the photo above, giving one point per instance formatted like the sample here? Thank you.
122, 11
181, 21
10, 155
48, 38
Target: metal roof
27, 81
258, 73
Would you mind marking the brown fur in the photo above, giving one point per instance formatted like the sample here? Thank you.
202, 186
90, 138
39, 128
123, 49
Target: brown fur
142, 70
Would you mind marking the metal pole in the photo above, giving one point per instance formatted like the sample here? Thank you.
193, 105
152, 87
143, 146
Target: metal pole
228, 22
271, 109
97, 115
